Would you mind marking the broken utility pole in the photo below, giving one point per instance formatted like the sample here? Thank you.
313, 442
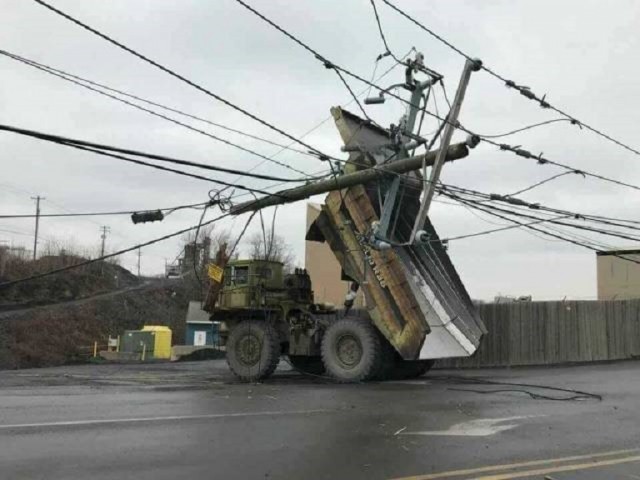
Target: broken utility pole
451, 124
454, 152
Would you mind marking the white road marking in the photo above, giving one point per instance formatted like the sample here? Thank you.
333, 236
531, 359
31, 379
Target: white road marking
476, 428
70, 423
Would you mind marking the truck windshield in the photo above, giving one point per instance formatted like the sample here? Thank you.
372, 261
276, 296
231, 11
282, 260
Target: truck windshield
240, 275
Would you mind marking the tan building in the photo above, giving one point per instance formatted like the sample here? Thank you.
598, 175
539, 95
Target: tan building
618, 277
324, 269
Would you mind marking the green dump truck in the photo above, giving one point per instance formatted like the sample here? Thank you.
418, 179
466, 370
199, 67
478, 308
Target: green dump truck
374, 220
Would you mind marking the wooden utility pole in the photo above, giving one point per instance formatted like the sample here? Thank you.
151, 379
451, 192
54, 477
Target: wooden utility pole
105, 229
454, 152
35, 239
4, 256
139, 255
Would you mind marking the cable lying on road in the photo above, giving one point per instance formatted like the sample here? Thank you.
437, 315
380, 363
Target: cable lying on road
577, 394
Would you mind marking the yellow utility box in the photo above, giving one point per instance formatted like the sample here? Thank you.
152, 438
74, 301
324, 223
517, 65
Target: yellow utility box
162, 340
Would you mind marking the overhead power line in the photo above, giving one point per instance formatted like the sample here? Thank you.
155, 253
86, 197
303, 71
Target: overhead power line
173, 170
519, 203
320, 154
129, 249
382, 35
444, 189
319, 124
160, 167
87, 84
501, 229
529, 127
585, 244
523, 90
117, 212
556, 221
542, 160
110, 255
329, 64
504, 147
479, 200
95, 147
542, 182
63, 74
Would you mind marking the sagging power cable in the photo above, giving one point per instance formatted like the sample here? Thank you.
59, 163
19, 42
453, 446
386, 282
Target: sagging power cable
109, 255
576, 394
520, 88
127, 250
542, 182
519, 203
529, 127
491, 211
542, 160
91, 86
165, 210
173, 170
321, 155
501, 229
503, 147
97, 148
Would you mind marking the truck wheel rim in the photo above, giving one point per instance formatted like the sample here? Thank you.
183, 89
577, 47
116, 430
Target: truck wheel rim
248, 350
348, 350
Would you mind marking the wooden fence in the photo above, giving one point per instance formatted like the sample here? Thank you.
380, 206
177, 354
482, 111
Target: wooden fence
542, 333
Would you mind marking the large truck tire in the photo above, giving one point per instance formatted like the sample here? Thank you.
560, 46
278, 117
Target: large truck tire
253, 350
307, 364
407, 369
351, 350
388, 360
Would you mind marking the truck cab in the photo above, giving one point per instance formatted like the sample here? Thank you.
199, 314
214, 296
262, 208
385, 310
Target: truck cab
246, 282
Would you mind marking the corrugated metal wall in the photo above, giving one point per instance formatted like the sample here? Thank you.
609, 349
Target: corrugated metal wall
541, 333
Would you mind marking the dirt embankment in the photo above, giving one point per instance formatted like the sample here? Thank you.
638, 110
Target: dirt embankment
73, 284
59, 334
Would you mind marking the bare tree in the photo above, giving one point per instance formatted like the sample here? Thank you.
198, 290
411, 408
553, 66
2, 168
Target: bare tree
268, 245
212, 246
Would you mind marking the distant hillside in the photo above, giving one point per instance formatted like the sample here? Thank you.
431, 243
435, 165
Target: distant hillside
76, 283
58, 334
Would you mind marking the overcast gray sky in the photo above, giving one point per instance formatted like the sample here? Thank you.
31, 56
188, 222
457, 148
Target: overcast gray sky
578, 52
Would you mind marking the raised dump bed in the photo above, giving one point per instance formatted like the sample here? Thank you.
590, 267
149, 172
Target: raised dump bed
413, 292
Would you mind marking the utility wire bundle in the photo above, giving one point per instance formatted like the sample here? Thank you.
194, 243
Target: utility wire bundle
517, 212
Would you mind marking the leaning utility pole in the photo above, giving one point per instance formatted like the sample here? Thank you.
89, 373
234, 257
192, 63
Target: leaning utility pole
105, 229
35, 239
470, 66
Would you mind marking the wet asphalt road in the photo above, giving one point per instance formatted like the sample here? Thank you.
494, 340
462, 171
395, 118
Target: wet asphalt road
191, 420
